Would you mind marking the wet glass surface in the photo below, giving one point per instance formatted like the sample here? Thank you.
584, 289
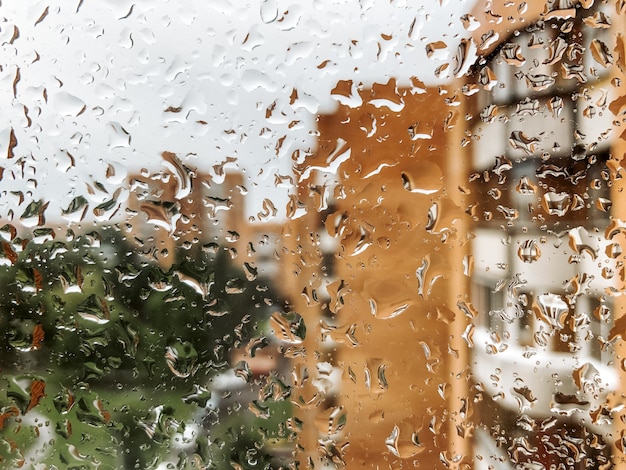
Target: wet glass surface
328, 235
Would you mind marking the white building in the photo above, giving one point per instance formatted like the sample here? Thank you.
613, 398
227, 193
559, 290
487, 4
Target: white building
542, 264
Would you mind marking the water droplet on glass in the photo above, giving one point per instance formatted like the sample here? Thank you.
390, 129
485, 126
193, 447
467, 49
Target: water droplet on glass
288, 327
525, 186
182, 358
552, 309
529, 251
331, 422
424, 178
93, 308
556, 49
269, 11
556, 203
539, 82
68, 104
580, 241
512, 54
521, 141
403, 442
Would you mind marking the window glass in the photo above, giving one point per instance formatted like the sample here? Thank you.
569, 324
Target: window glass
312, 235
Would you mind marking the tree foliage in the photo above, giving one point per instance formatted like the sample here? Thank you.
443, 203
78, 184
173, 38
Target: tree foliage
99, 338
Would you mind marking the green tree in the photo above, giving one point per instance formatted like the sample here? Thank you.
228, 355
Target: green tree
115, 351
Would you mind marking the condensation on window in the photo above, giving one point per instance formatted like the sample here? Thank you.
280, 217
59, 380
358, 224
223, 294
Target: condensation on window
327, 235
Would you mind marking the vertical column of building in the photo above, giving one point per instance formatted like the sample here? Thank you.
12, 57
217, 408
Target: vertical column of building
617, 166
456, 167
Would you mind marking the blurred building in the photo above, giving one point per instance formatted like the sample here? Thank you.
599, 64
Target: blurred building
378, 242
457, 255
545, 261
177, 209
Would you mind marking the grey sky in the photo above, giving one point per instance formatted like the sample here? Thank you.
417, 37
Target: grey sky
111, 69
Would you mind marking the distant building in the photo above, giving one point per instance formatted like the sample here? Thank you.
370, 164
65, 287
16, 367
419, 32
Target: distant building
177, 209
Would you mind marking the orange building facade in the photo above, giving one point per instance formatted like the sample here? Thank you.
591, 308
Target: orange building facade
380, 300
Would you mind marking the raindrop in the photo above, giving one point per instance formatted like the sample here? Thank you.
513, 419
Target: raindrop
433, 214
556, 50
25, 335
64, 401
556, 203
470, 23
269, 11
118, 136
614, 250
524, 396
526, 187
182, 174
92, 412
288, 327
93, 308
437, 50
69, 105
539, 82
33, 215
512, 54
420, 274
182, 358
600, 53
527, 107
580, 241
509, 213
520, 141
403, 442
76, 209
424, 178
464, 57
71, 279
529, 251
568, 405
159, 425
332, 421
8, 232
555, 106
243, 371
552, 309
598, 20
382, 379
604, 204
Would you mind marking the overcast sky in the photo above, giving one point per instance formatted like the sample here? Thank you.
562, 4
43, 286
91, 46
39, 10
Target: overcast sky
86, 86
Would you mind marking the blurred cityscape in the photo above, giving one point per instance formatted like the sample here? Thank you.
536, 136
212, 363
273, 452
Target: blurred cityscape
447, 291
